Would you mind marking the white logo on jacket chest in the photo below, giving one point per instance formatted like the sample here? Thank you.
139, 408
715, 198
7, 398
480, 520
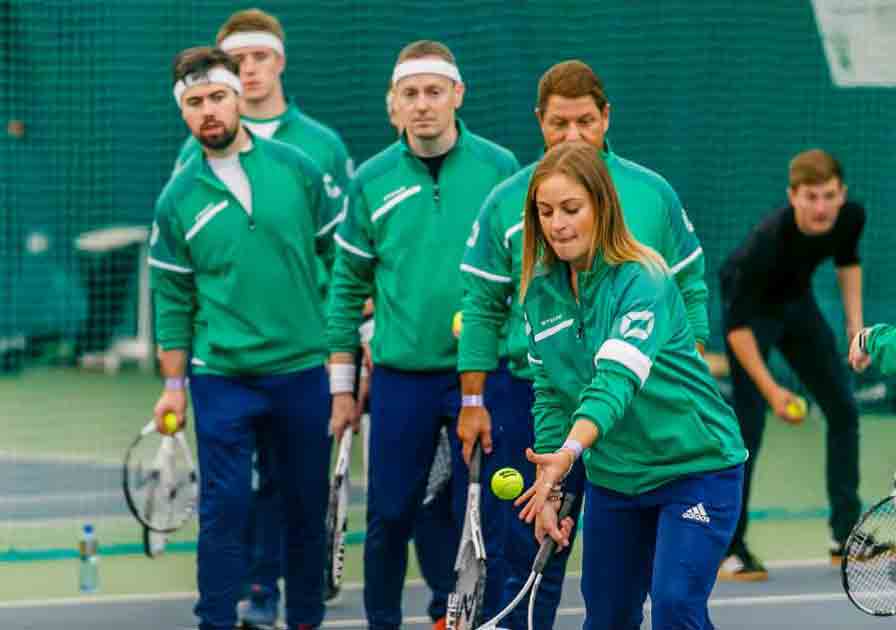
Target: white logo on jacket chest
203, 217
637, 324
393, 199
553, 330
474, 235
397, 191
210, 209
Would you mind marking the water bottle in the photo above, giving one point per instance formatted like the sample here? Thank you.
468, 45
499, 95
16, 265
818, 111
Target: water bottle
88, 573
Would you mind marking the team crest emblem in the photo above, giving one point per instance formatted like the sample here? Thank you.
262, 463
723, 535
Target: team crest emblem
637, 324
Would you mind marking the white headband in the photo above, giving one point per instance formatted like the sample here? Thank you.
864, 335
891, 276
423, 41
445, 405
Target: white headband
252, 38
218, 74
426, 66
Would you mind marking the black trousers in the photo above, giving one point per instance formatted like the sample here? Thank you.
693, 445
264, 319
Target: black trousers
798, 330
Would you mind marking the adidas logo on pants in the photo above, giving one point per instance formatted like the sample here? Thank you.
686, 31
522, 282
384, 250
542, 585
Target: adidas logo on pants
696, 513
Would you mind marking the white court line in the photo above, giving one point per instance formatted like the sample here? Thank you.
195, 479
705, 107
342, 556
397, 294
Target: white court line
54, 521
579, 611
36, 499
355, 586
15, 457
87, 600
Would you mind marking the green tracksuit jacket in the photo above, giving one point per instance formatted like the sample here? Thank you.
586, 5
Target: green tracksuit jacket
881, 345
319, 142
623, 356
402, 242
493, 260
239, 291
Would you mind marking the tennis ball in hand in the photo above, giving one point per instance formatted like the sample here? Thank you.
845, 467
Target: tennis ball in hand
507, 483
457, 323
169, 423
797, 408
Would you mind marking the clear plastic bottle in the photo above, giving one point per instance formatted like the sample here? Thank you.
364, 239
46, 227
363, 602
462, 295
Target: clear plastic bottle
88, 568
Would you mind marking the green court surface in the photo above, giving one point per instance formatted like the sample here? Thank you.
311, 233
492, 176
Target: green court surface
67, 424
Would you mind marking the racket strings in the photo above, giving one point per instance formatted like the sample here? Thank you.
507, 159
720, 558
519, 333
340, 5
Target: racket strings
493, 622
532, 595
870, 563
337, 518
162, 484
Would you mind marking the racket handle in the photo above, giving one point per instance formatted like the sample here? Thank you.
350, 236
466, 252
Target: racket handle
475, 462
549, 544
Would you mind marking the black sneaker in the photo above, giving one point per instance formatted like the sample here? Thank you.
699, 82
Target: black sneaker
859, 550
742, 566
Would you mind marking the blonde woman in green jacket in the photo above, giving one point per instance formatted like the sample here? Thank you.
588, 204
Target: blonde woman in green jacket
618, 382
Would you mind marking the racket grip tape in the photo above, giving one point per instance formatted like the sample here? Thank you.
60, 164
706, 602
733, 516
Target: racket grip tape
476, 463
549, 545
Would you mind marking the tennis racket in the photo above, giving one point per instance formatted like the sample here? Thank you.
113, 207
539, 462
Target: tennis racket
465, 603
869, 560
337, 518
545, 551
440, 471
153, 542
159, 480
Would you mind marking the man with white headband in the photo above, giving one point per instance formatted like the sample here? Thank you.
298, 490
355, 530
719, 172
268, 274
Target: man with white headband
255, 39
410, 211
235, 291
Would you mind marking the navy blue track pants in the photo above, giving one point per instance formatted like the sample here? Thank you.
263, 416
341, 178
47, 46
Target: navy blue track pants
289, 415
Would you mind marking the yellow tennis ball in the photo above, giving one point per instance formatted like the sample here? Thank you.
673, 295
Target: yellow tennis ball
169, 422
507, 483
457, 323
797, 409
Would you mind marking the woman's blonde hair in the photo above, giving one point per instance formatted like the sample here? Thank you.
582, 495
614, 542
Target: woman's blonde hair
581, 162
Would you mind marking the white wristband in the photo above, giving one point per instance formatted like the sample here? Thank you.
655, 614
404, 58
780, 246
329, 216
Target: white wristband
472, 401
575, 446
342, 378
366, 331
174, 383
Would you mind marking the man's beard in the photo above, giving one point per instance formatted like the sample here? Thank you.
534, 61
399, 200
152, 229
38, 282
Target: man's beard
219, 141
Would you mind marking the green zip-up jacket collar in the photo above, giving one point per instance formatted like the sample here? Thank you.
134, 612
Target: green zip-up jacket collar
323, 145
402, 242
623, 356
319, 142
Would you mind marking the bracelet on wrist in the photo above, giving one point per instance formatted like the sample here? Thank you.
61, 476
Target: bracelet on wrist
863, 340
575, 447
365, 330
477, 400
175, 383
